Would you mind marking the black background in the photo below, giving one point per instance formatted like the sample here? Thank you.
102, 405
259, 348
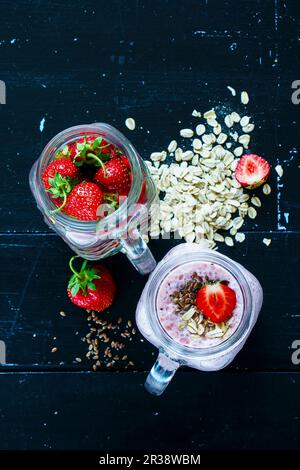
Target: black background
72, 62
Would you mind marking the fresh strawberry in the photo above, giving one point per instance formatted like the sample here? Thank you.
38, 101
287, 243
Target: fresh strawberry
90, 150
216, 301
92, 287
84, 201
252, 171
125, 161
115, 177
143, 196
59, 178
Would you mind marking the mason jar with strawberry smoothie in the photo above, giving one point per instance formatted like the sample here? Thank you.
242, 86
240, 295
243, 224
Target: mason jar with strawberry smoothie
95, 191
198, 307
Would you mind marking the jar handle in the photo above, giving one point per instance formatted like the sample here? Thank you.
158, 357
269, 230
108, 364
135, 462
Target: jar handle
138, 252
161, 374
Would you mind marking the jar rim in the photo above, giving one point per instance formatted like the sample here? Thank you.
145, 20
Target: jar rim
164, 268
115, 137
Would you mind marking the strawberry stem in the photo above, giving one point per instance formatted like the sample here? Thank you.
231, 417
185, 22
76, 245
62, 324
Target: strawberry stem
83, 279
98, 160
71, 265
58, 209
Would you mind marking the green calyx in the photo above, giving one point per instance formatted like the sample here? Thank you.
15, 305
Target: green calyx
91, 153
111, 200
82, 279
64, 152
61, 186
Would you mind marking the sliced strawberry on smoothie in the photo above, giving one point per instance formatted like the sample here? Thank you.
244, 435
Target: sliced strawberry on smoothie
252, 171
115, 177
216, 301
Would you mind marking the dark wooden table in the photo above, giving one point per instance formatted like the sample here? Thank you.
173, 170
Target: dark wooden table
71, 62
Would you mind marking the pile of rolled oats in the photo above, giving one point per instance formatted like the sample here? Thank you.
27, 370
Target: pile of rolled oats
199, 195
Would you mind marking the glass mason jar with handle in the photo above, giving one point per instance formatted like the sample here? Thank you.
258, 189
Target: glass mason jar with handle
121, 230
157, 320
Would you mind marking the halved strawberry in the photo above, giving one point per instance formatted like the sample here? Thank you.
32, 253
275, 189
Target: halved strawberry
252, 171
216, 301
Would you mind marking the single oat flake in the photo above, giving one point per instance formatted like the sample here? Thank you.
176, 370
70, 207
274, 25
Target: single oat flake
279, 170
130, 123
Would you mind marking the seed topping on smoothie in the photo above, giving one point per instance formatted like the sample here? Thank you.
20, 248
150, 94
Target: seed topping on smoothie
205, 306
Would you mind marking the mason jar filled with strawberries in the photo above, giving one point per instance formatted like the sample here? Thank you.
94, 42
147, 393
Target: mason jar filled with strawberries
95, 191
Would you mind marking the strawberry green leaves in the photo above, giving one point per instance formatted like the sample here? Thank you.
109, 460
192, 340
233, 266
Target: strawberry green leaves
89, 152
60, 188
83, 279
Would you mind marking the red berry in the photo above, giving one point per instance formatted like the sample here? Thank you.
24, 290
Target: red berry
143, 196
125, 161
252, 171
216, 301
59, 178
92, 287
64, 167
84, 201
117, 177
103, 147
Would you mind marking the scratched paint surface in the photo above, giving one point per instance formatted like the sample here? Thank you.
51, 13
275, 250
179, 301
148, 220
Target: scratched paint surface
80, 62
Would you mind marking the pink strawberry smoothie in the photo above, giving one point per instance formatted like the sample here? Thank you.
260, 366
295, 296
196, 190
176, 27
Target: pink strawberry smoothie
167, 313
